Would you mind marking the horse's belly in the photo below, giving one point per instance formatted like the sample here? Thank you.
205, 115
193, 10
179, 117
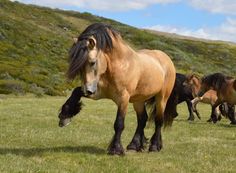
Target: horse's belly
139, 98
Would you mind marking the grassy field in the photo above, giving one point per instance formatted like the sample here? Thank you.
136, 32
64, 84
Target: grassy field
31, 141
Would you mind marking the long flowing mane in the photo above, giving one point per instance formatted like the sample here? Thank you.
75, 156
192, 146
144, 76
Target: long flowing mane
78, 53
216, 80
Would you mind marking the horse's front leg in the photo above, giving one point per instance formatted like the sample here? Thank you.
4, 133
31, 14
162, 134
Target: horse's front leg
116, 147
156, 140
190, 110
139, 138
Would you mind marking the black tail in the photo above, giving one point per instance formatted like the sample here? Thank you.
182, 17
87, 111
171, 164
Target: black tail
151, 105
170, 110
73, 105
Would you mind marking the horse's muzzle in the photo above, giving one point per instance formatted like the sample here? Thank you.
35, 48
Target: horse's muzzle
64, 122
90, 89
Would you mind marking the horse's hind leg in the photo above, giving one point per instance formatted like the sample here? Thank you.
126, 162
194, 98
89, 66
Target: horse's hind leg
214, 111
156, 140
139, 139
231, 114
189, 104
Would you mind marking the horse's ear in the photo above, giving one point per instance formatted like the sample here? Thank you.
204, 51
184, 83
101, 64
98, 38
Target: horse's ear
75, 40
235, 85
91, 43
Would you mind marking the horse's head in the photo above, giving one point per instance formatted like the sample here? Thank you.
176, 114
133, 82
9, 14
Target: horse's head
88, 56
213, 81
194, 82
204, 88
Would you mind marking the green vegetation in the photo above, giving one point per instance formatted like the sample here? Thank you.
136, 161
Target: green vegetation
34, 42
31, 140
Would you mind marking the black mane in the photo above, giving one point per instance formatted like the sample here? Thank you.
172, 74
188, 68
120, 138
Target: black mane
79, 51
216, 80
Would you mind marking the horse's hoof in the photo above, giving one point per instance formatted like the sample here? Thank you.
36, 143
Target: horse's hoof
154, 148
190, 119
214, 120
116, 150
233, 122
132, 146
135, 147
119, 152
64, 122
209, 120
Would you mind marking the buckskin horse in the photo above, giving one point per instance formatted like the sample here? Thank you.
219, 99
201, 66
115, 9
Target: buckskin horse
109, 68
225, 86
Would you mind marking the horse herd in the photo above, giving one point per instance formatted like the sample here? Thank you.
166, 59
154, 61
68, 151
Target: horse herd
109, 68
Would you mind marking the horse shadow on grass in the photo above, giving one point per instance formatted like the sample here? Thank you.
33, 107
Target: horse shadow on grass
29, 152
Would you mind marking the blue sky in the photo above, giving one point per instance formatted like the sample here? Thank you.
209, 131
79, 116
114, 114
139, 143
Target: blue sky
210, 19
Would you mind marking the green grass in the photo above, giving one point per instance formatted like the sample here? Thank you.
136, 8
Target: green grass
31, 141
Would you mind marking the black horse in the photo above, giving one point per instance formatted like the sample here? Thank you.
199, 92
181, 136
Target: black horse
181, 93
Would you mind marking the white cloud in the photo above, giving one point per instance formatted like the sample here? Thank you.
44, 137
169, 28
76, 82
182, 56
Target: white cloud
107, 5
215, 6
226, 31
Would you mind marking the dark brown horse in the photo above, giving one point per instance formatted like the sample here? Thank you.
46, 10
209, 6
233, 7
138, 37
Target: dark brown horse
109, 68
225, 88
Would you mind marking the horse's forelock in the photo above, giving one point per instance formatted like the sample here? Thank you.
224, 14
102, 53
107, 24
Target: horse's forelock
78, 56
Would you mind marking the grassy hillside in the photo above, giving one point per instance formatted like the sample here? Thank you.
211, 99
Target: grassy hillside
34, 42
31, 141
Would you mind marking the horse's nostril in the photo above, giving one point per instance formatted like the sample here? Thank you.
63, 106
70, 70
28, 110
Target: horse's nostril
89, 92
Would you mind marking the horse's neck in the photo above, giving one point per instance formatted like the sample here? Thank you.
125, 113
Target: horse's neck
197, 86
121, 50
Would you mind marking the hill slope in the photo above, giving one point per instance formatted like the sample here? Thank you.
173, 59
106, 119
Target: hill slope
34, 42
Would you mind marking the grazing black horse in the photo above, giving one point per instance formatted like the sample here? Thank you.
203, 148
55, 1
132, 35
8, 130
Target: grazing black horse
181, 93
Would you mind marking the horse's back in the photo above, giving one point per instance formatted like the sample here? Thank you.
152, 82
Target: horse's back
160, 57
164, 62
155, 73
